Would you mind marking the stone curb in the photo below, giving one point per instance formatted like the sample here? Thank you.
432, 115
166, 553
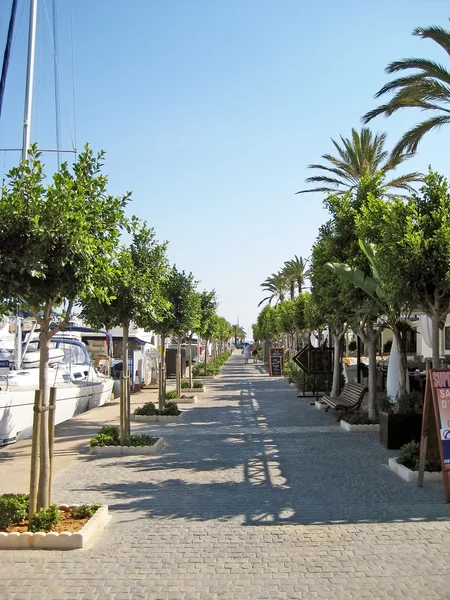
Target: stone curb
158, 418
411, 476
57, 541
157, 448
366, 428
192, 400
193, 390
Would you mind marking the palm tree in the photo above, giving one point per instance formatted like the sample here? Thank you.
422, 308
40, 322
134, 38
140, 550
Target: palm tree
361, 156
425, 85
296, 271
239, 333
277, 286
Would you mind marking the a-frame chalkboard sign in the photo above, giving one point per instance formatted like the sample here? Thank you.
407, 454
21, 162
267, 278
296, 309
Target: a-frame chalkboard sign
436, 425
276, 362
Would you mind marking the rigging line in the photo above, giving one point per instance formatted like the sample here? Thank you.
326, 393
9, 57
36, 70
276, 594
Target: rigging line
73, 75
7, 53
55, 71
58, 71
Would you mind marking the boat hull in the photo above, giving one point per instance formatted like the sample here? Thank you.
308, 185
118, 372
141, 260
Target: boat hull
16, 407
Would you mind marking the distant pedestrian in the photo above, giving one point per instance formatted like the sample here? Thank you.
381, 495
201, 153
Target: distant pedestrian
255, 352
246, 353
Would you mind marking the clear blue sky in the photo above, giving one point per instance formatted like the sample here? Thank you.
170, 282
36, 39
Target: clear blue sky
211, 110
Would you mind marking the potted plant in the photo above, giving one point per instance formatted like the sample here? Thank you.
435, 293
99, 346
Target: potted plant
401, 421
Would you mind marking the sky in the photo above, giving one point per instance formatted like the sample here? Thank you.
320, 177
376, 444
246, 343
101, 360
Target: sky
210, 111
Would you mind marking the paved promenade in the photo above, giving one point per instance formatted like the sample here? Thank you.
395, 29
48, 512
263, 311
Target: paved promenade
257, 496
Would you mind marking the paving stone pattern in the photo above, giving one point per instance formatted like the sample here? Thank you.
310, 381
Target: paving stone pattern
257, 495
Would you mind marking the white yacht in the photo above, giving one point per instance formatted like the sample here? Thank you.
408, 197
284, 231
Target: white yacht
79, 386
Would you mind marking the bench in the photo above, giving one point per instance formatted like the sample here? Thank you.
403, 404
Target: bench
348, 401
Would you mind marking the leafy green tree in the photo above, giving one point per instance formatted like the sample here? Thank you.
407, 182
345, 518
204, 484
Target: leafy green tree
185, 313
136, 289
363, 156
208, 305
268, 324
58, 238
286, 316
424, 85
413, 251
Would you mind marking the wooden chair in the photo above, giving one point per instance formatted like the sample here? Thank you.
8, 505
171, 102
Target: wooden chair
348, 401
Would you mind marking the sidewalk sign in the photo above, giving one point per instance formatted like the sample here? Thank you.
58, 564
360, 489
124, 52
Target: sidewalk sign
276, 362
436, 424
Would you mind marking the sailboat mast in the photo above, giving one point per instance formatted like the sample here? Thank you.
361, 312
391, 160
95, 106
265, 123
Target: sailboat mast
30, 79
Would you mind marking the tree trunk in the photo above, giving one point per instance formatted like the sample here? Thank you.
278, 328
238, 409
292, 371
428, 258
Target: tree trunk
372, 404
44, 458
337, 342
369, 337
162, 394
178, 369
125, 404
206, 356
402, 361
435, 324
190, 361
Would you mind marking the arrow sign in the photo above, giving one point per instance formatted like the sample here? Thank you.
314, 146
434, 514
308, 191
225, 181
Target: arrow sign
302, 359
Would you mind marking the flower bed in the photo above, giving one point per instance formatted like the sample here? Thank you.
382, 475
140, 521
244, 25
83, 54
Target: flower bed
107, 442
63, 527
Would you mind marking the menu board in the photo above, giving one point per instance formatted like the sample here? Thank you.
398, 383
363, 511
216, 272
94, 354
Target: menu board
276, 362
441, 395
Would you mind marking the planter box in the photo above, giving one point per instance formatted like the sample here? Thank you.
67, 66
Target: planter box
158, 418
350, 427
408, 475
319, 405
396, 430
129, 450
192, 390
57, 541
192, 400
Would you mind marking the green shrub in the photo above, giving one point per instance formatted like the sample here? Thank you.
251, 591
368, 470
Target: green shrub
148, 410
13, 509
409, 457
184, 385
171, 395
198, 385
140, 440
44, 519
102, 439
111, 430
170, 410
85, 511
410, 403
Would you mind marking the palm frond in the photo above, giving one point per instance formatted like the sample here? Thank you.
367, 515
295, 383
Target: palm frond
438, 34
412, 138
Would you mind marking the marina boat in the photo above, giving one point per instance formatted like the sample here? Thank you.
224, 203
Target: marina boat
79, 387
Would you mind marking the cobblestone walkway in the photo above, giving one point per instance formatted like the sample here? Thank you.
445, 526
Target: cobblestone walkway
257, 496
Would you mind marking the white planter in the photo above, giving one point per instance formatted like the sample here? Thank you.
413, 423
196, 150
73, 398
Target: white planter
320, 405
158, 418
192, 390
350, 427
192, 400
129, 450
57, 541
411, 476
